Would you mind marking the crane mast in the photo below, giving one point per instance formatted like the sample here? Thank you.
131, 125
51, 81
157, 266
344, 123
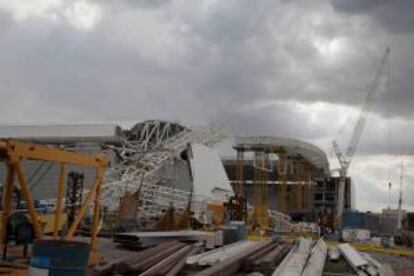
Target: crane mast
346, 159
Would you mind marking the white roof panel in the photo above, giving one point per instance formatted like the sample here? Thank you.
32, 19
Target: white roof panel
208, 171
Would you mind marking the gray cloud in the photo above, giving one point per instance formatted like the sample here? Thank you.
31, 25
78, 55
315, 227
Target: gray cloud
395, 16
204, 64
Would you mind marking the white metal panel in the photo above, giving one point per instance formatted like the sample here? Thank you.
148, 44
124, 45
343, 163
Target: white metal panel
208, 171
352, 256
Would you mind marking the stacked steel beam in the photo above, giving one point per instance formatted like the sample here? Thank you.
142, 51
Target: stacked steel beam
166, 258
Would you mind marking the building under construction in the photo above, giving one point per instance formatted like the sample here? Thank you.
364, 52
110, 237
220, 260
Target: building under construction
283, 174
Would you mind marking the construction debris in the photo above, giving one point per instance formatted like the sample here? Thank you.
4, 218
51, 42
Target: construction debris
362, 265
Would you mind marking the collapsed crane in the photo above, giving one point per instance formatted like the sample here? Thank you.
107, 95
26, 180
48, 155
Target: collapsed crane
346, 159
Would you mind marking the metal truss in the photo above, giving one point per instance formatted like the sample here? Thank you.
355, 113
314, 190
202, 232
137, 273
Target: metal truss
144, 150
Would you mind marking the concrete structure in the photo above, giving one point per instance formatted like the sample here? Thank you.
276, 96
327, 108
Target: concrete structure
393, 213
322, 196
303, 169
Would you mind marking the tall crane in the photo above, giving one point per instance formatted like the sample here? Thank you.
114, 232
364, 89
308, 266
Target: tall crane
346, 159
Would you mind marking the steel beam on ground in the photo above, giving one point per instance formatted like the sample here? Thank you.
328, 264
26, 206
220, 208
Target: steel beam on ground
316, 262
295, 262
232, 264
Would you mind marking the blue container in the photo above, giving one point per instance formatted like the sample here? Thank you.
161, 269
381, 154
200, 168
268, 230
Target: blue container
61, 258
353, 219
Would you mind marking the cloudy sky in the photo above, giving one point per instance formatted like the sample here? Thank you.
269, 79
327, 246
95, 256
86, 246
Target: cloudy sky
294, 68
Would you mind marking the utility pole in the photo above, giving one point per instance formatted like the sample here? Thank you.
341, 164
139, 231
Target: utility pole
400, 198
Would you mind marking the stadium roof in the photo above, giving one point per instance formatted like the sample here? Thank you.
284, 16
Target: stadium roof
61, 133
293, 148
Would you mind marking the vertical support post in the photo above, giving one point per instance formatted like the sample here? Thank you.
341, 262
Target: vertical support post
7, 201
264, 191
307, 186
96, 214
340, 201
24, 188
302, 176
58, 211
239, 173
293, 200
301, 199
82, 210
282, 170
257, 173
261, 218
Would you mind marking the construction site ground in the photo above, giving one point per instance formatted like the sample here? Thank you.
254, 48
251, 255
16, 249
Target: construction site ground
400, 265
109, 251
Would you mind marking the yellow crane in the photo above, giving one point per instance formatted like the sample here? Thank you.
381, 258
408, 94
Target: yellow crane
14, 152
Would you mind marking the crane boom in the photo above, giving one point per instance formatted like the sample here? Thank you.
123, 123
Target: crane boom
359, 127
346, 159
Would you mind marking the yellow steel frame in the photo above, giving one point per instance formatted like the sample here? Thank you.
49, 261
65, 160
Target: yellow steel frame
260, 215
14, 152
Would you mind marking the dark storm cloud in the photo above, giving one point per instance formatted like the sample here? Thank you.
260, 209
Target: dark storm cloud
276, 119
182, 61
395, 15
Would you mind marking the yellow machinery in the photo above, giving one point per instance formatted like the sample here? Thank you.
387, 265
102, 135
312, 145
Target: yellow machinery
14, 152
217, 209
